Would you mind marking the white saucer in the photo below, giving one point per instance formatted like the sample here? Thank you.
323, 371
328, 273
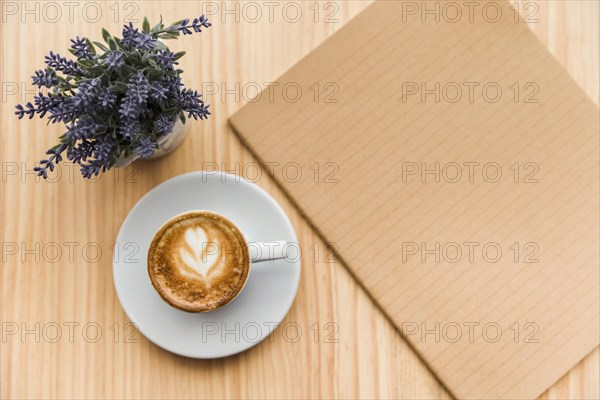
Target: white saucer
264, 301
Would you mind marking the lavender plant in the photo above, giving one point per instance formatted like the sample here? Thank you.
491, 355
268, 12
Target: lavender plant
115, 99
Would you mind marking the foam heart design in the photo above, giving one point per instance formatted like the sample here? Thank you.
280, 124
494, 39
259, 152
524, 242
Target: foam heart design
201, 255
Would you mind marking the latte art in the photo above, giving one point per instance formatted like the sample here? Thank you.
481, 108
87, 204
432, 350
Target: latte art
200, 257
198, 261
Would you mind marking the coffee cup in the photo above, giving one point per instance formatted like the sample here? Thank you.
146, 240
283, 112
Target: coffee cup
199, 261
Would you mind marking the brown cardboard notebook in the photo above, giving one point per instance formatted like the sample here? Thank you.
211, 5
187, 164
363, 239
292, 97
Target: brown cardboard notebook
454, 167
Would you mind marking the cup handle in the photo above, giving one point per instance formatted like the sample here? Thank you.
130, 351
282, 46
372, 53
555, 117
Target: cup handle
266, 251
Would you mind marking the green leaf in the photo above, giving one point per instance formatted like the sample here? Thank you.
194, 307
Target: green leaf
158, 26
154, 73
119, 87
86, 63
179, 54
97, 70
128, 69
147, 56
92, 48
167, 36
146, 25
105, 35
182, 118
160, 45
101, 46
112, 44
135, 60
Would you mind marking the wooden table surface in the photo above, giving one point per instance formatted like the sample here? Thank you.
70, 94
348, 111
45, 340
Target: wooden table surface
64, 334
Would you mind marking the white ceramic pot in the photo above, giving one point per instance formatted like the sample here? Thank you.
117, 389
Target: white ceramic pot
166, 144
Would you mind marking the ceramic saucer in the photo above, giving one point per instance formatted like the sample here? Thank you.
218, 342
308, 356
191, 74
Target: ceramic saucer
269, 291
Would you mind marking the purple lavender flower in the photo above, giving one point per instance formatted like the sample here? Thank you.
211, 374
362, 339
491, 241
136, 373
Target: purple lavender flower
130, 129
84, 129
81, 49
28, 110
86, 93
129, 36
188, 98
144, 41
197, 24
145, 148
60, 63
45, 103
46, 78
103, 149
64, 111
164, 124
80, 151
55, 158
106, 99
158, 92
174, 84
166, 59
190, 101
115, 60
134, 103
93, 168
60, 108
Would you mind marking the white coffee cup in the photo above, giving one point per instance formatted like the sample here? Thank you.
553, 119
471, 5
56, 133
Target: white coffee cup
199, 263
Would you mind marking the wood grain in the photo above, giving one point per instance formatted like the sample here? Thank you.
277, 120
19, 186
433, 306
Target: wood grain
73, 293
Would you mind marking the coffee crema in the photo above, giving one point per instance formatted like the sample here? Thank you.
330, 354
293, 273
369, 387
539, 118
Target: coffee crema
198, 261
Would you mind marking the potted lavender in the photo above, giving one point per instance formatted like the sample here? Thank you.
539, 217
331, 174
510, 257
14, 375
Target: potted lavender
120, 100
